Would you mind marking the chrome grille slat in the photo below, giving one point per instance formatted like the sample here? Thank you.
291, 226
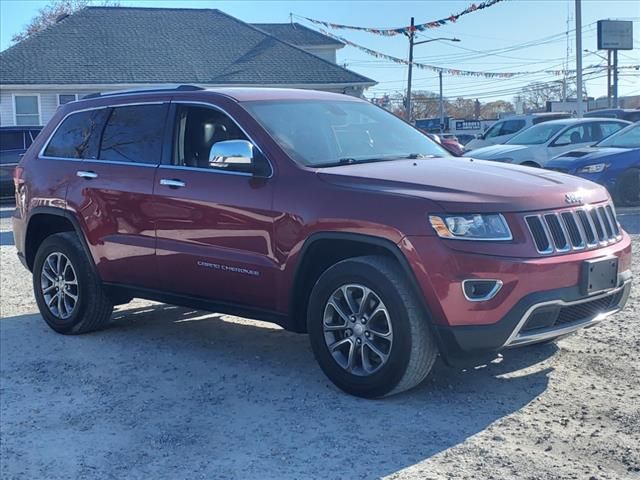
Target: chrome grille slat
573, 229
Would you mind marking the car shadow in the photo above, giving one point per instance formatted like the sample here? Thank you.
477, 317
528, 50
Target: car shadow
217, 396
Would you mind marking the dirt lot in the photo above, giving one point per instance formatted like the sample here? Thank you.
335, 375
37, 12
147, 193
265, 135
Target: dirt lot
173, 393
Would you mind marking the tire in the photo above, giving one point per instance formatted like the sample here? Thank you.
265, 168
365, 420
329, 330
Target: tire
628, 188
91, 310
407, 342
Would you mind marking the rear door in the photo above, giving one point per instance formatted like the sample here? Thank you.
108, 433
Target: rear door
112, 190
214, 226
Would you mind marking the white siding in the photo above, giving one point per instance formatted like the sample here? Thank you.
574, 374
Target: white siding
326, 53
48, 102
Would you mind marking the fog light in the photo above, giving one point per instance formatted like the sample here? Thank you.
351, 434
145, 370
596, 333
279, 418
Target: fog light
480, 290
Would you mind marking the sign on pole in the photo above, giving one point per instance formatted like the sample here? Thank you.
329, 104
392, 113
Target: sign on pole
615, 35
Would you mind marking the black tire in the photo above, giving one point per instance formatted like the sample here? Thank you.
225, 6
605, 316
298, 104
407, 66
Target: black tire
413, 351
93, 309
628, 188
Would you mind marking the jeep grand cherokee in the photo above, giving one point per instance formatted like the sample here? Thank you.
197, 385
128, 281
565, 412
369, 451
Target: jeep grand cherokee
320, 212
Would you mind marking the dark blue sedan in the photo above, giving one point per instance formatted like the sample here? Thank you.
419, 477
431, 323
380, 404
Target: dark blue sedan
613, 162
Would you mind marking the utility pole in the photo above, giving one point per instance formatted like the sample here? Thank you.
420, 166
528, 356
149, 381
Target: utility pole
412, 43
441, 104
579, 111
615, 78
411, 37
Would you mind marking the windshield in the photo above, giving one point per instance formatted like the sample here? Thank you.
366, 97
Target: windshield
536, 135
321, 133
628, 137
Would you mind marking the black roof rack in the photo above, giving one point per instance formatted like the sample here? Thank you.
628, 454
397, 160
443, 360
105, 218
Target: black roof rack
179, 88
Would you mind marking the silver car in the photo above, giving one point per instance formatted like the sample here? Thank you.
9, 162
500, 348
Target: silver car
536, 145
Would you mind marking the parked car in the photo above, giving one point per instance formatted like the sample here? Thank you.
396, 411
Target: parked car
535, 146
320, 212
613, 162
623, 114
504, 130
450, 143
464, 138
14, 141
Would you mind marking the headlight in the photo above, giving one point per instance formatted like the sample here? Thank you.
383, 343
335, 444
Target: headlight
597, 168
477, 226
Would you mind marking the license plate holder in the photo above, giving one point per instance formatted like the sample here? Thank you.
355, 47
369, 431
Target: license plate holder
599, 275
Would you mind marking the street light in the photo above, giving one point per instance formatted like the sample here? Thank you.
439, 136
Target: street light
411, 44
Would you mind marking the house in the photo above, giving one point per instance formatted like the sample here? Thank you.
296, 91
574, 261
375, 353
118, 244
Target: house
305, 38
102, 49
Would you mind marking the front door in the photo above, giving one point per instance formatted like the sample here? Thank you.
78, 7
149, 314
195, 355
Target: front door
214, 226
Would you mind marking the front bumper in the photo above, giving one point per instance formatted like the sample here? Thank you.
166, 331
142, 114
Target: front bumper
541, 298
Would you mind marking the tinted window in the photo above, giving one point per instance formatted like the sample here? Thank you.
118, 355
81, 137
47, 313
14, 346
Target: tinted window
62, 99
547, 118
134, 134
632, 116
11, 141
512, 126
197, 130
78, 135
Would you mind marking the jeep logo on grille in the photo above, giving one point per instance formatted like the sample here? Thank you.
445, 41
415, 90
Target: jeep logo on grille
573, 198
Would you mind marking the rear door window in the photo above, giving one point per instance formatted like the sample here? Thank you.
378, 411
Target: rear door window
134, 134
512, 126
78, 136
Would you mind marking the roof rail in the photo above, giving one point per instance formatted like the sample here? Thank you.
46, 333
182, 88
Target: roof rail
179, 88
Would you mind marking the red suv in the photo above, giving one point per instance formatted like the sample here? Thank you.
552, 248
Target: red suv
320, 212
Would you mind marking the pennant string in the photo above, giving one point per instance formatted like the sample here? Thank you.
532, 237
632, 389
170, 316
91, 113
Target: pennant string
455, 71
389, 32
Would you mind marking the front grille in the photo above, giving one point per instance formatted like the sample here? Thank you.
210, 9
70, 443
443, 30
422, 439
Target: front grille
574, 229
556, 316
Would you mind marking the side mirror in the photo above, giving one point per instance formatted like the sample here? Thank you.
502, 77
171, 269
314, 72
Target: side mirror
237, 156
561, 144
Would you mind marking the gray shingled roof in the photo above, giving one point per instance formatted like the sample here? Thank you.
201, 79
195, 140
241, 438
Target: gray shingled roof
104, 45
299, 35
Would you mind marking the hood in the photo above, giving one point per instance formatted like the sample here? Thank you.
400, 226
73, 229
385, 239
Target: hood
586, 155
466, 185
496, 152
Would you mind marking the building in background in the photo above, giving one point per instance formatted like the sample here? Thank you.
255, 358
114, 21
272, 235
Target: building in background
103, 49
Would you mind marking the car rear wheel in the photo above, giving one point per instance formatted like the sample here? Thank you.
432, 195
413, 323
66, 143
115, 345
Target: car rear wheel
368, 329
628, 188
68, 292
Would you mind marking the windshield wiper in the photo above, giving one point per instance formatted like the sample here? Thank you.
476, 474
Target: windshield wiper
352, 161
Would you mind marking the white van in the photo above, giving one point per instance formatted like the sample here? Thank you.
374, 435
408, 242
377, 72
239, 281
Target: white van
504, 129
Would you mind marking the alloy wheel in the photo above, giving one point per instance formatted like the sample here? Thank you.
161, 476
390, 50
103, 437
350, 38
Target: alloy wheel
59, 285
357, 329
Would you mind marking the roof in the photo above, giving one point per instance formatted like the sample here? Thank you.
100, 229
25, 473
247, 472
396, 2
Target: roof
251, 94
122, 45
299, 35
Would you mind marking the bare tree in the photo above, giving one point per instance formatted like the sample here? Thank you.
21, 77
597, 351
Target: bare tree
49, 14
494, 109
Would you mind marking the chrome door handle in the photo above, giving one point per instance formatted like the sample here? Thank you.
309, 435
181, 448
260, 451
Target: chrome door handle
86, 174
172, 182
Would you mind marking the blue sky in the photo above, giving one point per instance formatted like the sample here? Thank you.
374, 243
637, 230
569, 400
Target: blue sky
540, 25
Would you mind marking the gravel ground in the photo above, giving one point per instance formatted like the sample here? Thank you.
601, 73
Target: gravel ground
173, 393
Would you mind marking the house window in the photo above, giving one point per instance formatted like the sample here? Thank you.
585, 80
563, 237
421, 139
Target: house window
27, 109
66, 98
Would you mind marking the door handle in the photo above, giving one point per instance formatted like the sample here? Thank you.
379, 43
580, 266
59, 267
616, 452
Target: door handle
86, 174
172, 183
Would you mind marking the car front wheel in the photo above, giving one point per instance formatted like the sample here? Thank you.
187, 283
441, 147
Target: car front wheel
368, 329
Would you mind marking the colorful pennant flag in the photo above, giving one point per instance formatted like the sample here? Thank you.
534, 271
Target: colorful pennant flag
389, 32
